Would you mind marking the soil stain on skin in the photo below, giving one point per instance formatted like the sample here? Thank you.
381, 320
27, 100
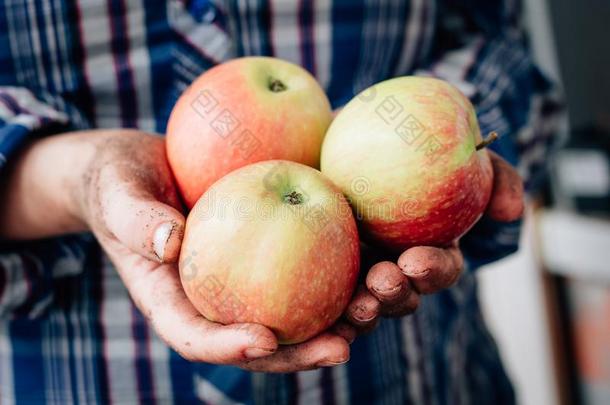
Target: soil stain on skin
120, 161
364, 307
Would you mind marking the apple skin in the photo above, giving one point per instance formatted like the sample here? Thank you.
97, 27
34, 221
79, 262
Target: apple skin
273, 262
404, 153
229, 117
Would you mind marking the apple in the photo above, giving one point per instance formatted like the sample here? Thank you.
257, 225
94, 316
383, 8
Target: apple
408, 154
273, 243
244, 111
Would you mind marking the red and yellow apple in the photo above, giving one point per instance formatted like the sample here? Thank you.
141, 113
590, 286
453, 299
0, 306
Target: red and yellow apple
244, 111
273, 243
405, 153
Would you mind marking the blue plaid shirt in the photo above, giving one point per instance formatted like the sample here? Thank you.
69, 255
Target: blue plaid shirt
69, 332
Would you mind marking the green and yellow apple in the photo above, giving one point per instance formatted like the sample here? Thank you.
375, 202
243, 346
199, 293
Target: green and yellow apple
407, 153
244, 111
273, 243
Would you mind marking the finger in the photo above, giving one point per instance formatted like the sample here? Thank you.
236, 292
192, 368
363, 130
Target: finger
200, 340
325, 350
393, 289
363, 310
386, 281
368, 327
345, 330
431, 269
133, 215
506, 203
197, 339
407, 304
157, 292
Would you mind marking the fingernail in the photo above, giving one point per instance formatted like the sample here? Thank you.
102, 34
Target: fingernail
257, 352
365, 320
388, 291
331, 363
160, 238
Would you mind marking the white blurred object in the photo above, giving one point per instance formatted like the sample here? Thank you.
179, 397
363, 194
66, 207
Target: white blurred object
512, 302
575, 245
583, 172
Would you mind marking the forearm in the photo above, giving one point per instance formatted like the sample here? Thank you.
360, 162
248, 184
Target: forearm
39, 189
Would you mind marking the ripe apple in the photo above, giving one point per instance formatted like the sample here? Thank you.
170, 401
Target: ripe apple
244, 111
273, 243
408, 154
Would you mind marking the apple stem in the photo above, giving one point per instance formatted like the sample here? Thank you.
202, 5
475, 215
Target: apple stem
488, 140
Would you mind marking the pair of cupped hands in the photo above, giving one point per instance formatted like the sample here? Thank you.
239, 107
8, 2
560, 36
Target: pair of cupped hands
123, 191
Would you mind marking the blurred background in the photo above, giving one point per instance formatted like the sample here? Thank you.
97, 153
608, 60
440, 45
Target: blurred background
549, 304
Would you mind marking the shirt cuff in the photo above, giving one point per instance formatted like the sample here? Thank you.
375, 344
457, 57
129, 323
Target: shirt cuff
22, 114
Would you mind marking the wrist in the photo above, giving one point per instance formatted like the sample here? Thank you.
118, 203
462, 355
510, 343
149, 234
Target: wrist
42, 188
74, 154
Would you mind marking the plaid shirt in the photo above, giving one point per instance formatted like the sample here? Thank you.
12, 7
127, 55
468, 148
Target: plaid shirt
69, 332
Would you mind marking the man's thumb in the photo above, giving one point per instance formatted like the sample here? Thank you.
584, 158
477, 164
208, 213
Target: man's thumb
143, 224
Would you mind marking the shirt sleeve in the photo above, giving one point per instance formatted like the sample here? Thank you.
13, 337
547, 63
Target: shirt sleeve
480, 47
22, 116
